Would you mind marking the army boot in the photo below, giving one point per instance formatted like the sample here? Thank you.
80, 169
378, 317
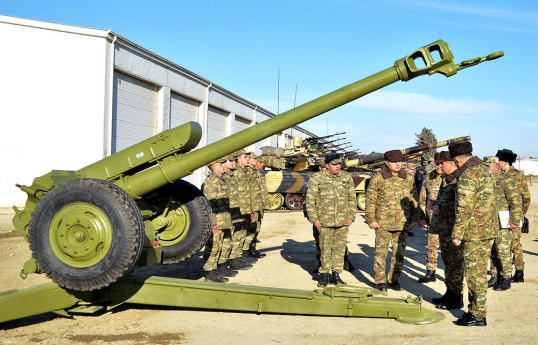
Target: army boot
395, 286
336, 279
224, 271
237, 264
518, 277
504, 284
381, 287
428, 278
213, 276
469, 319
453, 301
494, 281
247, 258
253, 253
441, 299
325, 279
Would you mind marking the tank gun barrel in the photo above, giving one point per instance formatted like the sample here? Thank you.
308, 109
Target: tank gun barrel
407, 151
318, 139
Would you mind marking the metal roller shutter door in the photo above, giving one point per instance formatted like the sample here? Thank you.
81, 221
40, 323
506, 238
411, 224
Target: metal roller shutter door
134, 112
216, 124
182, 110
241, 124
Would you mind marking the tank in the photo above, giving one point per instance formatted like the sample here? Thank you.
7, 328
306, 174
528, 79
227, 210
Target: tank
88, 228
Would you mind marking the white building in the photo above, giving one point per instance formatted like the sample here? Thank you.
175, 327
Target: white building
73, 95
528, 165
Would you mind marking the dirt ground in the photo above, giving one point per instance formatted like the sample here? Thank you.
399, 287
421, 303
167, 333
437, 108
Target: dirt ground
286, 239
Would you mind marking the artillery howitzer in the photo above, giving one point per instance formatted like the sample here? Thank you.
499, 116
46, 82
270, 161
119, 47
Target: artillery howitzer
89, 228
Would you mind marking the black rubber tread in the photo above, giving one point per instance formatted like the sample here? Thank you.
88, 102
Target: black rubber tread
200, 218
127, 235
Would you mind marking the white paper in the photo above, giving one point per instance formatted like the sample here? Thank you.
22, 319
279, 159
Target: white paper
504, 219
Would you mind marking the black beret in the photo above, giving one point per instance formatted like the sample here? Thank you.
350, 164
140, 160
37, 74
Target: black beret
393, 156
506, 155
459, 149
333, 158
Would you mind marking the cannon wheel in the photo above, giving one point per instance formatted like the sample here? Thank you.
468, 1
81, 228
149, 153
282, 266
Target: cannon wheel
294, 201
276, 200
86, 234
361, 201
189, 221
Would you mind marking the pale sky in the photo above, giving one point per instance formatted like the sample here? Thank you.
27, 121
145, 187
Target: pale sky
322, 45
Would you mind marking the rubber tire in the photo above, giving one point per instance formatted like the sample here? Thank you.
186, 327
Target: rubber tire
288, 199
360, 205
200, 221
127, 234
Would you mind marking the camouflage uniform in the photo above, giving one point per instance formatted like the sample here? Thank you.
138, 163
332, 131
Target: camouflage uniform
242, 179
218, 194
476, 226
516, 247
259, 202
442, 224
428, 193
235, 212
390, 203
330, 199
508, 198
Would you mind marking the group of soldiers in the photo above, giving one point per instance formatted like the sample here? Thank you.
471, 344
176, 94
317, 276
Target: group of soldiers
237, 193
474, 209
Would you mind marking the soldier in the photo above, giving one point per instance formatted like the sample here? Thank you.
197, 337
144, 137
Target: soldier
508, 200
428, 195
260, 202
241, 178
443, 218
475, 228
390, 209
506, 159
331, 207
217, 193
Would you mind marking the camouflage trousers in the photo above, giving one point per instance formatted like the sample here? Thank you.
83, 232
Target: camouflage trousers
517, 249
475, 256
432, 250
383, 239
252, 230
216, 249
501, 260
226, 246
453, 259
238, 238
315, 233
332, 243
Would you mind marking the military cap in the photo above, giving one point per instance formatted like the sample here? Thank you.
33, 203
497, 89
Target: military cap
333, 158
459, 149
229, 157
393, 156
220, 160
490, 159
436, 157
506, 155
444, 156
239, 153
253, 155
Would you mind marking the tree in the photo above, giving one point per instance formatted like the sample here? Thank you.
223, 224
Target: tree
426, 137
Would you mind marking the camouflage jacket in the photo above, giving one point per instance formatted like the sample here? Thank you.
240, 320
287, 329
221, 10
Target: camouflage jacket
523, 187
476, 212
443, 223
331, 199
258, 188
429, 191
242, 177
217, 193
235, 210
508, 196
390, 201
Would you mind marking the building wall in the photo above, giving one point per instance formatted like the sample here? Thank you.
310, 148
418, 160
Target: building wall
52, 91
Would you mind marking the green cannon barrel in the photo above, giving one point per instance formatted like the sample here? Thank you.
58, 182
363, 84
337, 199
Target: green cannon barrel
406, 152
176, 166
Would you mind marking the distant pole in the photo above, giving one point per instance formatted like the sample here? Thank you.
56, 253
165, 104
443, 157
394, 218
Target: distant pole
295, 100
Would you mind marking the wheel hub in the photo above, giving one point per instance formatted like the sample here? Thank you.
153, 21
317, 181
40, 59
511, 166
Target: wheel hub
80, 235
